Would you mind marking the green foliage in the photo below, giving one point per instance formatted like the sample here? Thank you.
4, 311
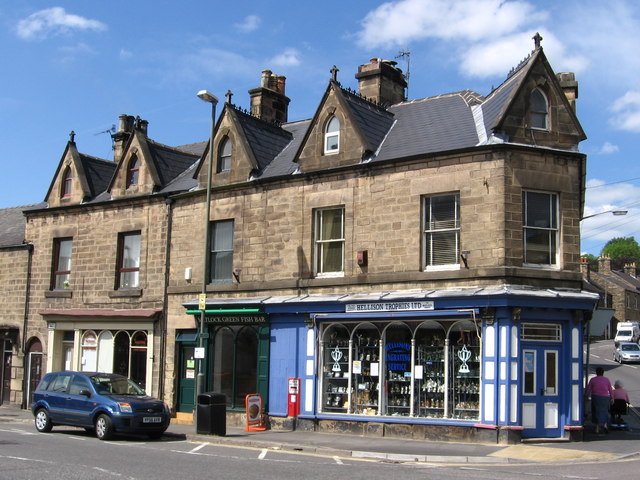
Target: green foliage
622, 250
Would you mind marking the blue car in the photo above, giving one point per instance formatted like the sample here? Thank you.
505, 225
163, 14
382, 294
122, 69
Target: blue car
102, 402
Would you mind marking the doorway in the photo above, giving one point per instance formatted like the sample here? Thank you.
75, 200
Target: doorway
540, 391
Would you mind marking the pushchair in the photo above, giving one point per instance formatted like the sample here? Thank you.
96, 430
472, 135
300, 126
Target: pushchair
617, 410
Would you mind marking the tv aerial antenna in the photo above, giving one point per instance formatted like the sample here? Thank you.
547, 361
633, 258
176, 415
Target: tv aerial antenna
406, 54
111, 131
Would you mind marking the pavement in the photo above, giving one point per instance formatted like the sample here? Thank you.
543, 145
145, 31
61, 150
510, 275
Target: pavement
617, 445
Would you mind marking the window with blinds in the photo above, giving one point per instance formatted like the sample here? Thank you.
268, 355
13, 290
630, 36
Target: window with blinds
540, 228
441, 231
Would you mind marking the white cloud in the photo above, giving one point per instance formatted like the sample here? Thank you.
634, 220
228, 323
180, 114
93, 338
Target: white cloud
249, 24
398, 23
626, 112
608, 148
54, 21
289, 58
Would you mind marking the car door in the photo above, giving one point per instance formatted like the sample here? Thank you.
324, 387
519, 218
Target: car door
79, 406
56, 397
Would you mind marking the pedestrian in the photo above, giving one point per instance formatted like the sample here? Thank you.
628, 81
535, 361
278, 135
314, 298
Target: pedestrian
619, 402
600, 391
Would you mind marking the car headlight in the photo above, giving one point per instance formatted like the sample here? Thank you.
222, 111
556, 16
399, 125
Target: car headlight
125, 407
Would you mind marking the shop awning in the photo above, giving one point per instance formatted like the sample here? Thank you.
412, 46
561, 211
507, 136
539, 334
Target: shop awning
467, 312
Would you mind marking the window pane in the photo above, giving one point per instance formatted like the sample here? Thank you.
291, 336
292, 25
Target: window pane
221, 260
224, 160
329, 240
223, 363
442, 230
332, 257
246, 364
131, 251
444, 248
331, 224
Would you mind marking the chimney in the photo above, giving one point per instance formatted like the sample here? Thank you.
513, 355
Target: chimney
604, 265
584, 268
142, 126
125, 127
268, 101
630, 269
569, 86
381, 81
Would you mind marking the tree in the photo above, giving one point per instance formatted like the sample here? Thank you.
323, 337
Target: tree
621, 250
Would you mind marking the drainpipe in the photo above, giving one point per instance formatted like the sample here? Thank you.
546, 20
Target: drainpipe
165, 300
25, 321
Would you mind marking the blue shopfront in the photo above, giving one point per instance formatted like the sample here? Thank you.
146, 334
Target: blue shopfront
495, 363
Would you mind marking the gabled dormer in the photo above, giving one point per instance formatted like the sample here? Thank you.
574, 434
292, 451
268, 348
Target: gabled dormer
243, 147
145, 167
347, 129
78, 178
534, 106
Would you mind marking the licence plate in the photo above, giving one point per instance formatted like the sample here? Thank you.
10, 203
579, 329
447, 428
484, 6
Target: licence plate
151, 419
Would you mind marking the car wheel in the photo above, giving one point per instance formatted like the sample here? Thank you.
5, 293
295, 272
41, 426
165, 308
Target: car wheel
104, 427
43, 421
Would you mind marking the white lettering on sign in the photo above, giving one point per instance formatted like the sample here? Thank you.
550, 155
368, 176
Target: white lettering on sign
389, 307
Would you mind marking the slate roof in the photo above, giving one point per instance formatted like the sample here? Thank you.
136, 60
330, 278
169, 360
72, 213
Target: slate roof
12, 224
374, 122
170, 161
98, 173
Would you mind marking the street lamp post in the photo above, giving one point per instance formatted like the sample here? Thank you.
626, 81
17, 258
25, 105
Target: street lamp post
210, 98
616, 213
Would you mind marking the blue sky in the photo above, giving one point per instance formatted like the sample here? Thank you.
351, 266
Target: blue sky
77, 65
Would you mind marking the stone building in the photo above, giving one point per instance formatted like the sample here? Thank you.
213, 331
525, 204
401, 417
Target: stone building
388, 266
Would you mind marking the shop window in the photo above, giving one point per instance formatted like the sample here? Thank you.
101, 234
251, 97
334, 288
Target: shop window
89, 351
246, 365
540, 228
221, 255
541, 332
539, 110
105, 351
429, 386
128, 260
61, 263
397, 362
332, 136
441, 232
121, 353
329, 242
335, 369
133, 172
224, 155
464, 396
138, 364
367, 360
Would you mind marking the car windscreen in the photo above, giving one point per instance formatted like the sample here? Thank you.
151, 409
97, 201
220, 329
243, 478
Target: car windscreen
630, 348
107, 385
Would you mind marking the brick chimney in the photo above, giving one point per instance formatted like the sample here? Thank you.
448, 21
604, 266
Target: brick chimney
381, 81
268, 101
630, 269
584, 268
569, 86
125, 128
604, 265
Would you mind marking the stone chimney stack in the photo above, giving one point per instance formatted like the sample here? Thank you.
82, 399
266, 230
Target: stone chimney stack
630, 269
584, 268
381, 81
142, 126
268, 102
604, 265
569, 86
125, 128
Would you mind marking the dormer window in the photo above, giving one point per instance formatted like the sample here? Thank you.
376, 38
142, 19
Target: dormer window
224, 155
133, 172
539, 110
67, 183
332, 136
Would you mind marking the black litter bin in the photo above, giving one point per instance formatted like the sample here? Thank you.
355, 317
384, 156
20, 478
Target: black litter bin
211, 416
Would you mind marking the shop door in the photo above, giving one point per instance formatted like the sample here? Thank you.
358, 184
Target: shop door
540, 392
187, 381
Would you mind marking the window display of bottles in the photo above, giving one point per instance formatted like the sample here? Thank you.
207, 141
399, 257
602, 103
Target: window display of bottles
429, 386
466, 382
365, 370
335, 396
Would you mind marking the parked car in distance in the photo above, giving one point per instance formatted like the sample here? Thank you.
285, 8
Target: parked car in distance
106, 403
626, 352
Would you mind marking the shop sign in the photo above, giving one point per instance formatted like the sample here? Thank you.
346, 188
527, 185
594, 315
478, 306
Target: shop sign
389, 306
236, 319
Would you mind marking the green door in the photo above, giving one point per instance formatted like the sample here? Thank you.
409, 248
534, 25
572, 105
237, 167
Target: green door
187, 379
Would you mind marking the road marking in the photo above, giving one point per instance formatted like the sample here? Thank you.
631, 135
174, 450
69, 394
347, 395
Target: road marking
16, 430
338, 461
263, 454
202, 445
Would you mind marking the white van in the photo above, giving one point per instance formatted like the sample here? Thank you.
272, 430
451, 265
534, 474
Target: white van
627, 332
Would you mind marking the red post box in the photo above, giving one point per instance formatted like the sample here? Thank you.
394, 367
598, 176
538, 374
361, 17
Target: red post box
293, 397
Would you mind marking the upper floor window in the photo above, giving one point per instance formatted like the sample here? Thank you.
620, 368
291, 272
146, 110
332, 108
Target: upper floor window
441, 231
133, 171
61, 272
540, 228
539, 110
332, 136
221, 255
128, 260
67, 183
224, 155
329, 242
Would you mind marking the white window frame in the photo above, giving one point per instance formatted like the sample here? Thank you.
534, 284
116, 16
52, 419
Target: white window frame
332, 133
432, 228
552, 230
320, 243
220, 247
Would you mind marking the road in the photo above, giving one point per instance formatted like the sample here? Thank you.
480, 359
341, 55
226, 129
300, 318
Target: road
602, 355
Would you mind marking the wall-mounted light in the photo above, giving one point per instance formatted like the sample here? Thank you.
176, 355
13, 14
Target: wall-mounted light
363, 258
187, 273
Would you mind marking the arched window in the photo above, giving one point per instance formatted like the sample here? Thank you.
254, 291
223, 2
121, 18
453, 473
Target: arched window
133, 171
332, 136
67, 183
224, 155
539, 110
